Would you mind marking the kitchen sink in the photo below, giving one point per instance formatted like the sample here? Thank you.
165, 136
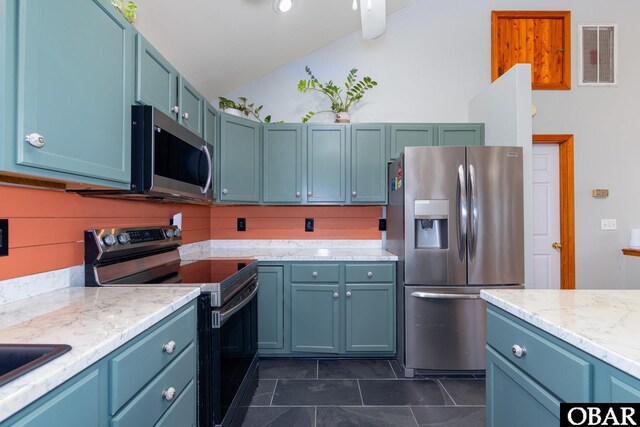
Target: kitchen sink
18, 359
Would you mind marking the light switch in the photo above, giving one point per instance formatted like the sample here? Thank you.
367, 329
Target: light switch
608, 224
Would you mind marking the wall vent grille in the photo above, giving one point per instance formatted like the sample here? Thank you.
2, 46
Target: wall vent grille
598, 54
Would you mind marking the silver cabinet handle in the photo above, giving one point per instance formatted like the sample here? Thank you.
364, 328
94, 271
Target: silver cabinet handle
348, 293
35, 139
298, 194
369, 274
519, 351
169, 347
314, 274
354, 193
335, 295
185, 116
309, 193
175, 109
225, 191
433, 295
168, 394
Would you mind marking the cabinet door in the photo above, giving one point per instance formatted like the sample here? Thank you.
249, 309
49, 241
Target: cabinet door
76, 404
315, 318
410, 135
156, 79
461, 134
239, 159
75, 89
191, 107
271, 308
368, 164
513, 398
326, 163
282, 163
370, 324
211, 136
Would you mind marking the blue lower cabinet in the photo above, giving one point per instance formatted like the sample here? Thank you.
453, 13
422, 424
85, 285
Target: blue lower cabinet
181, 413
315, 318
271, 307
370, 317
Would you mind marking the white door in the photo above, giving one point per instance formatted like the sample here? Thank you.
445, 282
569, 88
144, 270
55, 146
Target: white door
546, 216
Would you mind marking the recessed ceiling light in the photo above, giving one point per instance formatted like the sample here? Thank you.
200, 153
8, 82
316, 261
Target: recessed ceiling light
282, 6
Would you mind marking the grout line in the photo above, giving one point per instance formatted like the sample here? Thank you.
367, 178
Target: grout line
318, 369
414, 416
368, 406
392, 370
274, 393
360, 390
447, 391
315, 417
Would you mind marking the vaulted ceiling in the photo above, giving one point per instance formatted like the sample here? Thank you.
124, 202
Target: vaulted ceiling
221, 45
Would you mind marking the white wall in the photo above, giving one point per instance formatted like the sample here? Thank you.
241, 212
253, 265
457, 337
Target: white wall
436, 57
505, 109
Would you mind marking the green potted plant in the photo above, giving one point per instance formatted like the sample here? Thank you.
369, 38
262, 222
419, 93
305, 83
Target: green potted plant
241, 108
340, 102
128, 9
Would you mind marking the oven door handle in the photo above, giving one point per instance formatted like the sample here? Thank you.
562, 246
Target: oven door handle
218, 318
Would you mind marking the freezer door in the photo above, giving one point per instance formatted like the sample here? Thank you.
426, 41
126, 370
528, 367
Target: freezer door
496, 220
435, 211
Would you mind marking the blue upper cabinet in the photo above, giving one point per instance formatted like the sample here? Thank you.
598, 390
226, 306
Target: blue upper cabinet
461, 134
74, 91
368, 164
239, 159
156, 79
326, 163
211, 136
191, 105
282, 163
410, 135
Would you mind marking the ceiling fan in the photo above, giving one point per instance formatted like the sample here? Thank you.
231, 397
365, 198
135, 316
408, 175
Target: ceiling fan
373, 15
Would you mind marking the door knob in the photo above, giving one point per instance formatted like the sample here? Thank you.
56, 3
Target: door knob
35, 139
556, 245
185, 116
175, 109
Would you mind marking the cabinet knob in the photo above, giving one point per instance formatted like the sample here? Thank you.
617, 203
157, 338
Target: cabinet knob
314, 274
175, 109
168, 394
185, 116
354, 193
369, 274
225, 191
335, 295
519, 351
348, 293
309, 193
169, 347
298, 194
35, 139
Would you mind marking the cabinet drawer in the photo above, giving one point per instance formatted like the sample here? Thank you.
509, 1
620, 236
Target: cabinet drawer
183, 411
363, 273
133, 368
149, 405
312, 273
566, 375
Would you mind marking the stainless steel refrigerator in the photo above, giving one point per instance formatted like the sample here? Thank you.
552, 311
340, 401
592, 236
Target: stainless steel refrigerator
455, 220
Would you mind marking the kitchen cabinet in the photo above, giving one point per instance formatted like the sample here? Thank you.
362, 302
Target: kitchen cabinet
211, 136
315, 317
461, 134
530, 372
282, 163
240, 156
410, 135
271, 307
191, 104
368, 164
68, 118
127, 387
326, 164
156, 79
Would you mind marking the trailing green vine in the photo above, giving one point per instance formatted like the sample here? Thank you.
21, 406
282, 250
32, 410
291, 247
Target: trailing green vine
127, 9
242, 106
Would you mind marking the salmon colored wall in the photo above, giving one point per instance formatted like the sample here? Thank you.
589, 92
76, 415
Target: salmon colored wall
46, 227
287, 222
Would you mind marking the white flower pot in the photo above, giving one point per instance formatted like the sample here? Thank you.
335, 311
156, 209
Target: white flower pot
234, 112
343, 117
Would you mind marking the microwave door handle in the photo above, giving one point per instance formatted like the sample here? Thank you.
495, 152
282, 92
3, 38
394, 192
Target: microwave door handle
210, 164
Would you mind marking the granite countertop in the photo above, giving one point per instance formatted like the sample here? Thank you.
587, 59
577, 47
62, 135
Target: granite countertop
602, 323
93, 321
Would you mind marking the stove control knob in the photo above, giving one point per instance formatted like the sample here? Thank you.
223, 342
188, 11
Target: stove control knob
123, 238
177, 232
168, 233
109, 240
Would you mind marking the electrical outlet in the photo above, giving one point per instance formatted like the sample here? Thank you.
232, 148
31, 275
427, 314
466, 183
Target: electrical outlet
308, 225
608, 224
4, 237
382, 224
242, 224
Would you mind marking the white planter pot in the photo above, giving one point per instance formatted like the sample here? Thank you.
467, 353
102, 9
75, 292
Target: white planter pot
343, 117
234, 112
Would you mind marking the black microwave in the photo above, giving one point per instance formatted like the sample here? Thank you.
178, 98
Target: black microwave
167, 160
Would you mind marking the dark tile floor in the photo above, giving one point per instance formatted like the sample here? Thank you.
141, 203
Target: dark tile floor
338, 392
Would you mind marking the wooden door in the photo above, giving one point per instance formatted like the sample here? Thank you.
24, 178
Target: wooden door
542, 39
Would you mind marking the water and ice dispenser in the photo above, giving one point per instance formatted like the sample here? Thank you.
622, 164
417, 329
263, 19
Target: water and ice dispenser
432, 224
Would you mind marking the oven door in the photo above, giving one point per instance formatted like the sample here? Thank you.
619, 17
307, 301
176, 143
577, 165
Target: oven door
235, 331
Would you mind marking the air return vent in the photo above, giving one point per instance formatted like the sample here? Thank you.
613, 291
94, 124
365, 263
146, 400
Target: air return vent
598, 54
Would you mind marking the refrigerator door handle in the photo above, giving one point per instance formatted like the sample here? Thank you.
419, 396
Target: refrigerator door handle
473, 238
430, 295
462, 212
